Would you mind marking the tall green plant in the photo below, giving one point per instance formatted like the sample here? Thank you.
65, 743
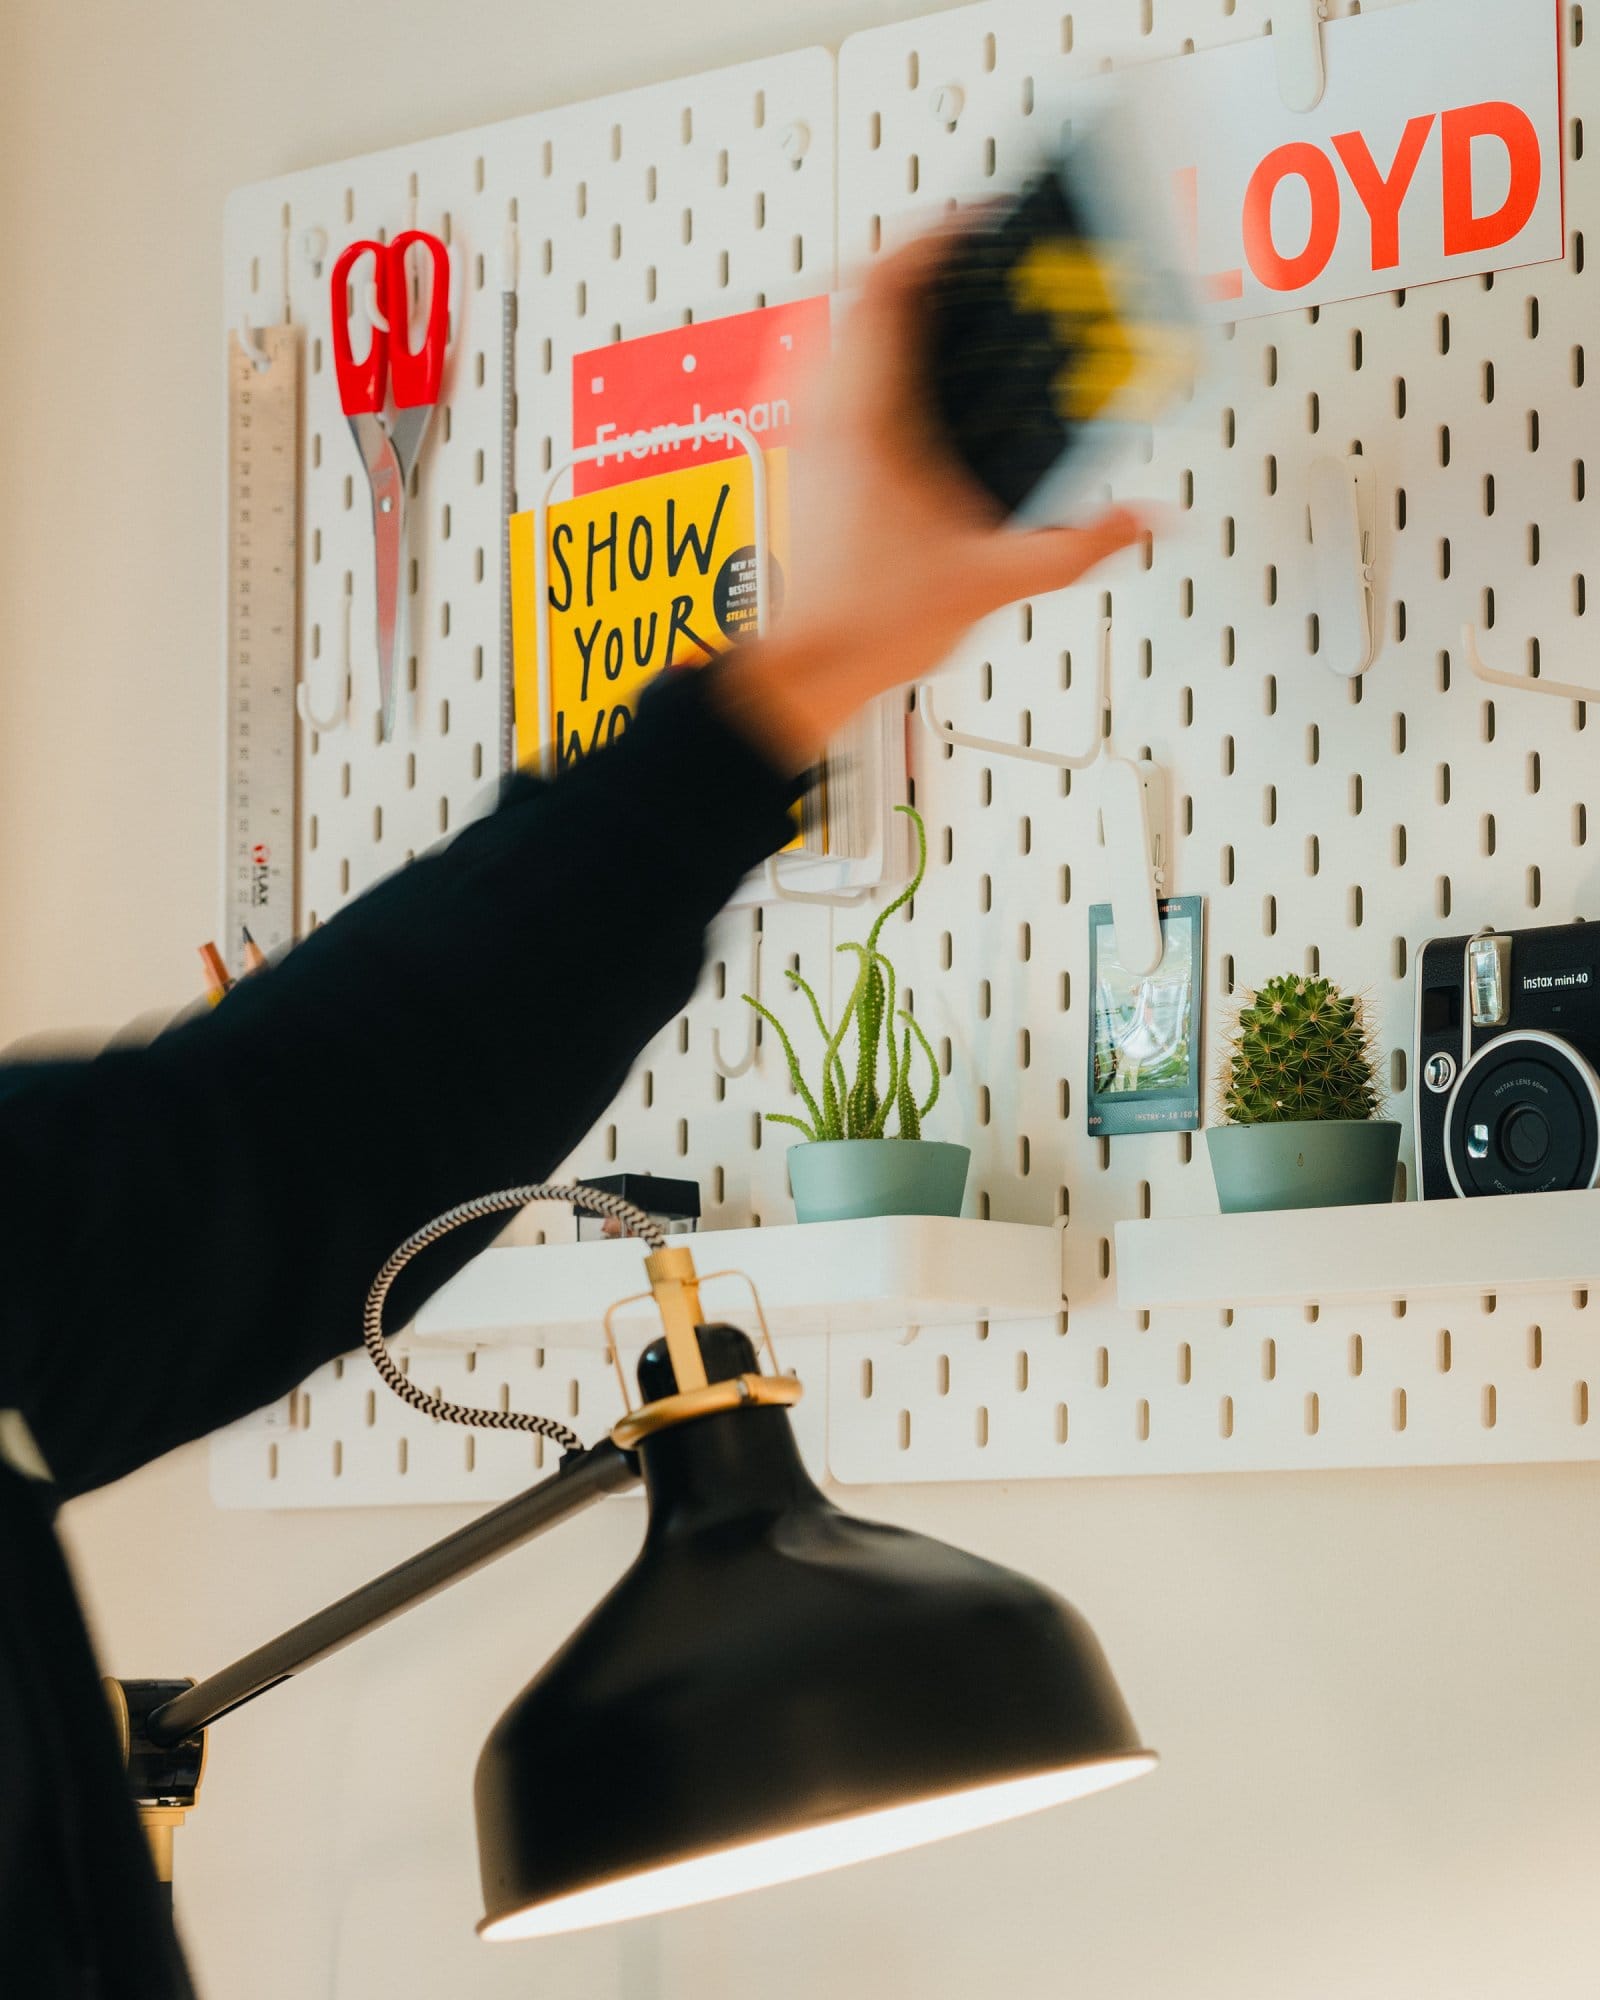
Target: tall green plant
1300, 1048
854, 1107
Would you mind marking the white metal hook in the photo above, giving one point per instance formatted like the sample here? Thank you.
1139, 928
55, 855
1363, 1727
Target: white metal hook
260, 360
752, 985
1078, 760
1297, 50
1341, 519
373, 310
325, 725
1523, 683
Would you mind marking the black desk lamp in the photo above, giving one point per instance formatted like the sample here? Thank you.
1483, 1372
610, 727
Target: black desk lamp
774, 1688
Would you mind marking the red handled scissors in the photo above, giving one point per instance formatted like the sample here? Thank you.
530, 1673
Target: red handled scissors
389, 445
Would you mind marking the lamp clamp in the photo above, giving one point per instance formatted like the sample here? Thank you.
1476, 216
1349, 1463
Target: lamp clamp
163, 1779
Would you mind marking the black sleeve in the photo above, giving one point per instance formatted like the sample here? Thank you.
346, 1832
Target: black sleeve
190, 1228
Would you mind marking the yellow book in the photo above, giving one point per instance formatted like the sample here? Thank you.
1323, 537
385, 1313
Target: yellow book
655, 575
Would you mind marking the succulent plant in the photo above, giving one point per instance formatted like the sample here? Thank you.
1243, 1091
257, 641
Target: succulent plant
1300, 1049
856, 1109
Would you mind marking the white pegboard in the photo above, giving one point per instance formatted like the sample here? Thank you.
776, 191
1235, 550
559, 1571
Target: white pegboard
1318, 816
708, 195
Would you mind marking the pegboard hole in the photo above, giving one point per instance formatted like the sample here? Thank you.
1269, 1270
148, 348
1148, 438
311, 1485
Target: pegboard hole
904, 1430
866, 1381
1580, 1403
1102, 1367
1185, 1364
1225, 1417
1313, 1413
1141, 1420
1269, 1360
1535, 1347
1356, 1359
1061, 1423
1490, 1407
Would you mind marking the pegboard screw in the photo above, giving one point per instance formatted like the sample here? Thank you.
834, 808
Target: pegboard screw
947, 104
314, 249
794, 141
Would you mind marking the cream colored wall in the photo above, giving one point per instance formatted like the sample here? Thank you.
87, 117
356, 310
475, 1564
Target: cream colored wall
1375, 1695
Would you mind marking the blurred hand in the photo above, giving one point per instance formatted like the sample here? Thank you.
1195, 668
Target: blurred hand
897, 551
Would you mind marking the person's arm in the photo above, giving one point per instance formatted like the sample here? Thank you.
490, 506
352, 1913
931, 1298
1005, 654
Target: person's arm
190, 1227
186, 1230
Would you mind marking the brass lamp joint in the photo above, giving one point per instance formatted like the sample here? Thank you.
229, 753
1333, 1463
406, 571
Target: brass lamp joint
675, 1287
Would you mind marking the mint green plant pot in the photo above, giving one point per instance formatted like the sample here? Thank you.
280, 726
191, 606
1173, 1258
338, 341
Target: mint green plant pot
835, 1180
1310, 1163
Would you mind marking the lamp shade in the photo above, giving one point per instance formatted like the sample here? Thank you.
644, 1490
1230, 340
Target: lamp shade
775, 1688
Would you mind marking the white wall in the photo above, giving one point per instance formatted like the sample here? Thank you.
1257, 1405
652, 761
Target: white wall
1374, 1693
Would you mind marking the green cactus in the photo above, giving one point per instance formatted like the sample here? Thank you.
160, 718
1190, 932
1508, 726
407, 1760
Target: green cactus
843, 1109
1300, 1049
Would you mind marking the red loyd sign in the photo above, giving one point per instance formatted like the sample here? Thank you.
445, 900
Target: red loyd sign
746, 368
1436, 151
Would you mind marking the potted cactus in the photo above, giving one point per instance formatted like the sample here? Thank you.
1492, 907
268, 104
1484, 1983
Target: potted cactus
861, 1150
1300, 1100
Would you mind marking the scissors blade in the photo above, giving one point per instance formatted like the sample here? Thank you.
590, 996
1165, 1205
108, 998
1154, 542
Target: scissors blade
407, 429
387, 482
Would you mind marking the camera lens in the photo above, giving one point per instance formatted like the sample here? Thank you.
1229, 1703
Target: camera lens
1525, 1137
1524, 1118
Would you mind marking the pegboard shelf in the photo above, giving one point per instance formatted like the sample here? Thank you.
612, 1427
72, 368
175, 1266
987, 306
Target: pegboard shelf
830, 1277
1314, 1256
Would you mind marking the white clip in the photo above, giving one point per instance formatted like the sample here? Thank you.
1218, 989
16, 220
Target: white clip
374, 312
1523, 683
335, 719
1133, 831
1341, 520
1297, 46
753, 985
1075, 760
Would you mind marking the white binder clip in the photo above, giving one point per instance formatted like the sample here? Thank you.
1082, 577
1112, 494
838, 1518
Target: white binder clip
1297, 45
1341, 515
1133, 831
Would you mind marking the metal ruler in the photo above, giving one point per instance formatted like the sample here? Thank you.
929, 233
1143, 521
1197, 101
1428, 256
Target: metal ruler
263, 634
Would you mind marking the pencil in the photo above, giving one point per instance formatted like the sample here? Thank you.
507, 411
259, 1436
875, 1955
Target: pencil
217, 980
254, 956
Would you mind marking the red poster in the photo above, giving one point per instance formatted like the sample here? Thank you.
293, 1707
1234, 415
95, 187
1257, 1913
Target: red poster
746, 368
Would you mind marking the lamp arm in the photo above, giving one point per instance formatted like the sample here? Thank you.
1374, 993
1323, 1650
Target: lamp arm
584, 1477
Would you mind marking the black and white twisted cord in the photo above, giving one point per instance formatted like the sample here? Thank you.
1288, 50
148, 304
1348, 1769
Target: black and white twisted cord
597, 1203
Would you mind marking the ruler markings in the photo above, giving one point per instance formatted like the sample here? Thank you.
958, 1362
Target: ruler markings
263, 627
